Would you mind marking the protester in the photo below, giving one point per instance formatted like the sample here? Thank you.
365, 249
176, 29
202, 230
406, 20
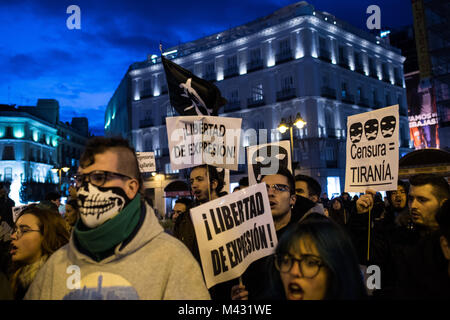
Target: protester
325, 201
315, 260
6, 204
397, 211
426, 269
282, 198
338, 213
38, 234
308, 187
203, 189
118, 241
72, 214
183, 228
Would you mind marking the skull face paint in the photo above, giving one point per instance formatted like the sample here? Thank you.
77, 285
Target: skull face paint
387, 126
356, 131
268, 159
371, 129
97, 204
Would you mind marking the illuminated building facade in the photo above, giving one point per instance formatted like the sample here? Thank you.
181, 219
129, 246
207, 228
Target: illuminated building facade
296, 60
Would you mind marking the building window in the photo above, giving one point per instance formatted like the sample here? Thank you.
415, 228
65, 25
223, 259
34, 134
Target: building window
257, 92
8, 153
210, 73
255, 55
344, 90
287, 83
8, 174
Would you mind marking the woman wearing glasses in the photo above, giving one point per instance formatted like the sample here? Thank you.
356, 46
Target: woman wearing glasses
315, 260
38, 233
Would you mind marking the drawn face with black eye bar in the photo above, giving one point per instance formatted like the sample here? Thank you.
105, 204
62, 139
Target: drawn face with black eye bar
268, 159
356, 131
387, 126
371, 129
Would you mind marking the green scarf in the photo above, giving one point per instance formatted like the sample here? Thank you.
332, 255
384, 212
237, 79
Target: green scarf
101, 241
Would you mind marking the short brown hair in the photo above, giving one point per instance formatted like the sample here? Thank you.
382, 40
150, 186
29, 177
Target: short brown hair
127, 160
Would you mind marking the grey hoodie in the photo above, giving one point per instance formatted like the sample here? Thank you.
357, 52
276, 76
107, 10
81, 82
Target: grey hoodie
152, 266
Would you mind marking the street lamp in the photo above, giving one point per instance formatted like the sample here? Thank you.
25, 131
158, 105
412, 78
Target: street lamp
58, 170
289, 124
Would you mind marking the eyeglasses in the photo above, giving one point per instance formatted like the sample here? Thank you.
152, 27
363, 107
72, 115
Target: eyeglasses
20, 231
309, 264
98, 177
277, 187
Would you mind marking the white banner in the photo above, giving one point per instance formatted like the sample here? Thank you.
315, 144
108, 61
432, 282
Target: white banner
232, 232
196, 140
266, 159
372, 150
146, 161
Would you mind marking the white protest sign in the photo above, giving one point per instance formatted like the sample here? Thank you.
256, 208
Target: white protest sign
196, 140
265, 159
146, 161
372, 150
232, 232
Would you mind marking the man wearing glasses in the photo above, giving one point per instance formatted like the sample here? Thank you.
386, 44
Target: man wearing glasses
118, 250
282, 198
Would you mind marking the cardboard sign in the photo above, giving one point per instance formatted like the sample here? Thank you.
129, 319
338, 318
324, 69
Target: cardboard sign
146, 161
196, 140
265, 159
232, 232
372, 150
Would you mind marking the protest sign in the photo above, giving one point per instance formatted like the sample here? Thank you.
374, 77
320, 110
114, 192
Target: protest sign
146, 161
196, 140
372, 150
232, 232
265, 159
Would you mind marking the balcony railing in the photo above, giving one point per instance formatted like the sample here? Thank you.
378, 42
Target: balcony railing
328, 92
253, 103
255, 65
232, 106
283, 56
231, 72
145, 123
286, 94
145, 94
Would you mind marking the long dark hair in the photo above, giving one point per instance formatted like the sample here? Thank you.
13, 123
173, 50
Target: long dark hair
345, 280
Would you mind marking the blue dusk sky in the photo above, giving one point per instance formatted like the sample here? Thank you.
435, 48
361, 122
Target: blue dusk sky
41, 58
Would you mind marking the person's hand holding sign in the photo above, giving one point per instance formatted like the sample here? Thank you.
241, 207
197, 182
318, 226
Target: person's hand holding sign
238, 292
365, 202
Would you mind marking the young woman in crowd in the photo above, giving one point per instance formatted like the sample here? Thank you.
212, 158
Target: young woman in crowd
38, 233
72, 214
315, 260
337, 212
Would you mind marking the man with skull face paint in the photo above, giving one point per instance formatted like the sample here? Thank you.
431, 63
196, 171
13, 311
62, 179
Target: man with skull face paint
118, 240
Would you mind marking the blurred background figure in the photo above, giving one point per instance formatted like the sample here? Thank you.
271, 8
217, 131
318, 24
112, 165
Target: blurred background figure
72, 214
6, 204
37, 234
338, 213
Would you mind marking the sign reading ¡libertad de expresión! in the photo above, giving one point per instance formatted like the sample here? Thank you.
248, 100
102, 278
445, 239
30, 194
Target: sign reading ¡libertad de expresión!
372, 150
196, 140
232, 232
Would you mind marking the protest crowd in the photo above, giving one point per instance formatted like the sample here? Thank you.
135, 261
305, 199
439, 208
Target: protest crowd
323, 250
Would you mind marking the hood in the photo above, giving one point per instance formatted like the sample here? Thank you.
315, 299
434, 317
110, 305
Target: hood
148, 230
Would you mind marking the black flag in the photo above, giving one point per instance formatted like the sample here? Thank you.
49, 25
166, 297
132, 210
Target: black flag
189, 94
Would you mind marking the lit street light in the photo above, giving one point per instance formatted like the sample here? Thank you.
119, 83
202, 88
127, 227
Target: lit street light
55, 170
289, 124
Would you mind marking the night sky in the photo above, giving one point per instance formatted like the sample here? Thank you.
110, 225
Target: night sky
41, 58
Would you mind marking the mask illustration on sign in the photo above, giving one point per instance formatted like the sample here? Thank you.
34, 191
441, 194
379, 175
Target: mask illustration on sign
371, 129
197, 101
356, 131
97, 204
387, 126
268, 159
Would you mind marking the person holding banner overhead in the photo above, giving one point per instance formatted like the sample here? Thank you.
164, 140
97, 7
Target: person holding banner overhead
118, 248
315, 260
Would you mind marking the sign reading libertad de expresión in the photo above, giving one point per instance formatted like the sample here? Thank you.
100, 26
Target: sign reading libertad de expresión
196, 140
232, 232
372, 150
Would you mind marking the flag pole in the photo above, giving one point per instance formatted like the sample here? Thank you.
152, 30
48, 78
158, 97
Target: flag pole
368, 238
